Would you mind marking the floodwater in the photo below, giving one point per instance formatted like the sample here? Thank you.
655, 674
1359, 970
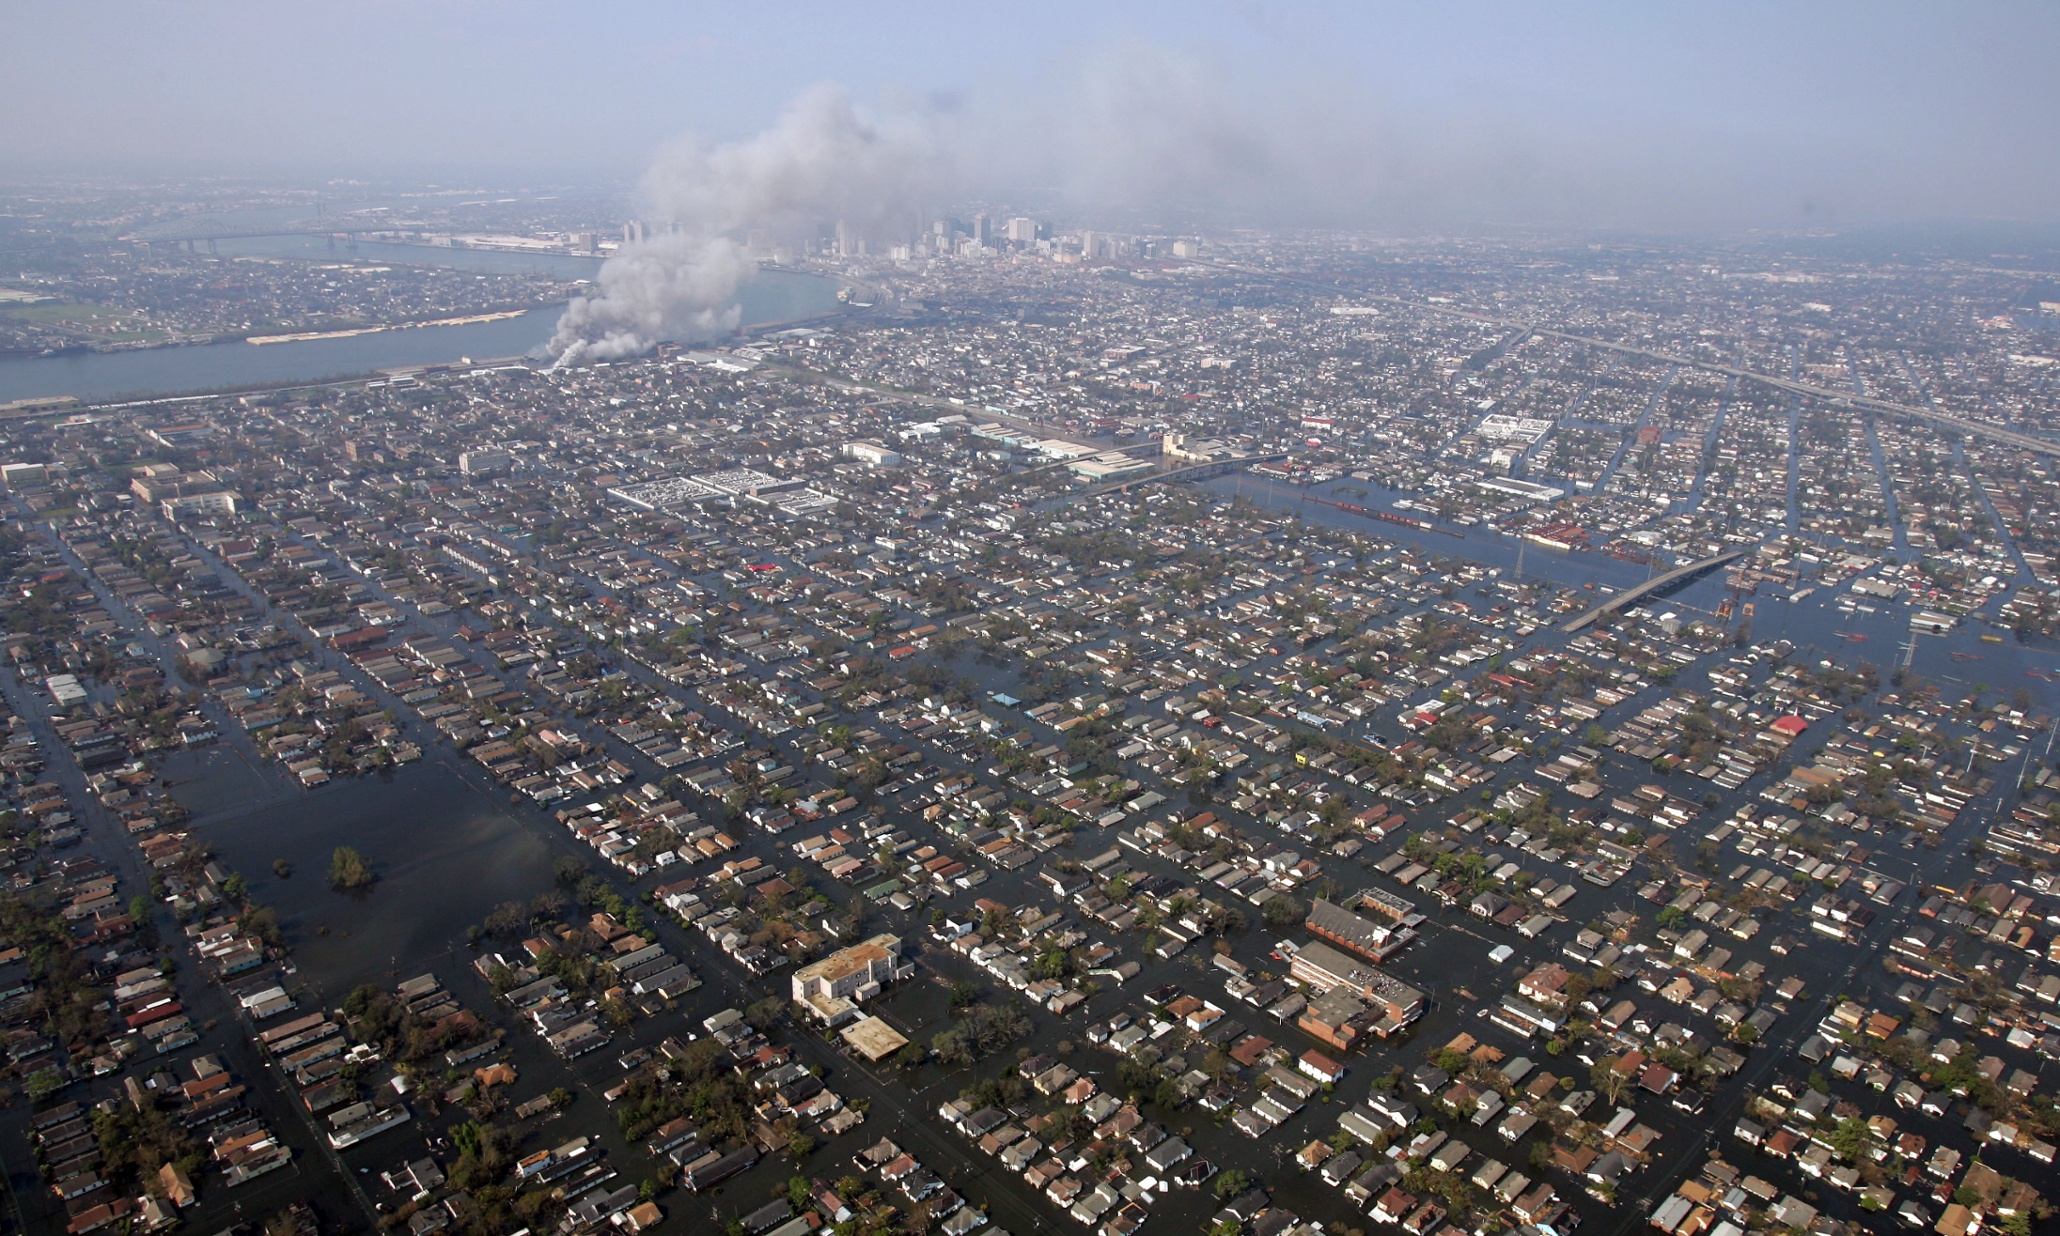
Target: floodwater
444, 851
447, 850
1958, 661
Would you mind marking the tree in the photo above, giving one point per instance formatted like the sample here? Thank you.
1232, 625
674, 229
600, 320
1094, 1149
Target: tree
1232, 1182
1052, 963
951, 1048
1282, 910
263, 923
1849, 1139
43, 1083
506, 919
1609, 1083
765, 1013
347, 870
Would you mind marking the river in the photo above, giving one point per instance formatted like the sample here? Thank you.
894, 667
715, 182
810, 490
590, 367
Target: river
772, 296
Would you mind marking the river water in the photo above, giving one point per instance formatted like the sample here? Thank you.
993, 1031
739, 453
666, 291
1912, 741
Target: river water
447, 849
771, 296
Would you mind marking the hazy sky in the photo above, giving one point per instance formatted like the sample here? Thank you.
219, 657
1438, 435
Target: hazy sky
1638, 113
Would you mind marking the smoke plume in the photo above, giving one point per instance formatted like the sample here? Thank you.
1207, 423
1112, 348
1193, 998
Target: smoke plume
822, 163
1160, 138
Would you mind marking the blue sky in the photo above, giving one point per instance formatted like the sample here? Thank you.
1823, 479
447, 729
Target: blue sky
1605, 113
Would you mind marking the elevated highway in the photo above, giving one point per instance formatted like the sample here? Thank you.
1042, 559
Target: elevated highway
1197, 472
1832, 395
1652, 587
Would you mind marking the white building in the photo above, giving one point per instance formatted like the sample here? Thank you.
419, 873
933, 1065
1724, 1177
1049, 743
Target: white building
491, 461
872, 454
217, 502
833, 987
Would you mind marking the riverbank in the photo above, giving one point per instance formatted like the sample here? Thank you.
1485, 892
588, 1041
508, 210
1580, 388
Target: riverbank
130, 377
354, 331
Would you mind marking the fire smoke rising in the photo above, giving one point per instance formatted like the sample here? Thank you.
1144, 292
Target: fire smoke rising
1147, 133
821, 162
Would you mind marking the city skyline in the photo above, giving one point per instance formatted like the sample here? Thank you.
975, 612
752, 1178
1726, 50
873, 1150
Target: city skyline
1593, 115
1239, 619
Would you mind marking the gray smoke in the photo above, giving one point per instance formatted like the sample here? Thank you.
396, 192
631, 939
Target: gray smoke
666, 287
1147, 133
822, 163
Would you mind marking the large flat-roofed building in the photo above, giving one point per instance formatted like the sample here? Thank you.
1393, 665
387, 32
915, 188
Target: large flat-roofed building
1376, 941
1324, 967
873, 1038
833, 987
489, 461
1059, 448
176, 436
872, 454
1383, 904
1525, 490
157, 482
678, 491
16, 475
1340, 1018
212, 502
1109, 465
1503, 428
1177, 448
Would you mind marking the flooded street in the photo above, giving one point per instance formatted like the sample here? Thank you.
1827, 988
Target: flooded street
447, 849
443, 851
1959, 660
